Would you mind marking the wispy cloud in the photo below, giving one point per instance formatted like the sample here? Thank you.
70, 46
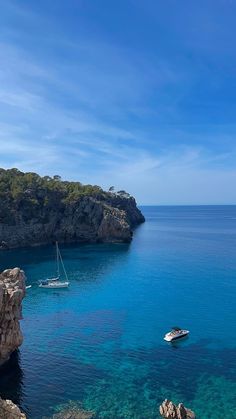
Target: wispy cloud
114, 108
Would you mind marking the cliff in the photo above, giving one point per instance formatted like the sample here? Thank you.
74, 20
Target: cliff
38, 210
12, 291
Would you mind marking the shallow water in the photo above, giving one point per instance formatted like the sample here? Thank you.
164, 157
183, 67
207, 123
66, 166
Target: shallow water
101, 341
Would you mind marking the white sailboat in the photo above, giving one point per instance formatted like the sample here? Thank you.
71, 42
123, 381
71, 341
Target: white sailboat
55, 281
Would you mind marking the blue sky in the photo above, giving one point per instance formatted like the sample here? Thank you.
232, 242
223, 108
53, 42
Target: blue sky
131, 93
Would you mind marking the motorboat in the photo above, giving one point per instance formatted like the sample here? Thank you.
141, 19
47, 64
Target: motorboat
55, 282
175, 334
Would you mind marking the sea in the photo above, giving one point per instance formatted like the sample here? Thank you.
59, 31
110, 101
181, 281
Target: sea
99, 343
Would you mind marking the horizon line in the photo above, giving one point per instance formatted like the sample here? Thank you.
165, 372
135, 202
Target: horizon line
186, 205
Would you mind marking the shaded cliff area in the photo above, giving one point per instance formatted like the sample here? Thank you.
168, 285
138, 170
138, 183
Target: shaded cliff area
38, 210
12, 292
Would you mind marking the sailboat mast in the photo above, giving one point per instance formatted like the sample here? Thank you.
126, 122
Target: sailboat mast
62, 263
58, 267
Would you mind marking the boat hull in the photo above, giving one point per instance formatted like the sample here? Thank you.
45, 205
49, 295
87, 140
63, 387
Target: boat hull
54, 285
172, 338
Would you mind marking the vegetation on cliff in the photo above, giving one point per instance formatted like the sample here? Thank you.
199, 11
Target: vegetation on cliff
38, 210
33, 195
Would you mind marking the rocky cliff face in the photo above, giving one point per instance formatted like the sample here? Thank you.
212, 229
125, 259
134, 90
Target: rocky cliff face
88, 219
12, 291
9, 410
38, 210
169, 410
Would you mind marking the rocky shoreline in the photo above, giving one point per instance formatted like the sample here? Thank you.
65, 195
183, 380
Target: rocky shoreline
37, 210
87, 221
169, 410
100, 224
8, 410
12, 292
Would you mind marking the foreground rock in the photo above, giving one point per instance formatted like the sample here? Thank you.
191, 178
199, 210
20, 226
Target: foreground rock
170, 410
12, 291
8, 410
37, 210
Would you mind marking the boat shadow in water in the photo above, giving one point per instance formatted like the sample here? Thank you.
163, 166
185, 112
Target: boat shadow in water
176, 344
11, 381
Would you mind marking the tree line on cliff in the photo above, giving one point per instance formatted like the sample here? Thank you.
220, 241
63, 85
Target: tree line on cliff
28, 195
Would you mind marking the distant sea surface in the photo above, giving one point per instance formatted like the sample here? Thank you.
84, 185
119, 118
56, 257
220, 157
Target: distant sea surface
100, 342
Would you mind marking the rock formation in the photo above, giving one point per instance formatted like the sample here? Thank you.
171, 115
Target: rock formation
88, 220
12, 291
8, 410
38, 210
169, 410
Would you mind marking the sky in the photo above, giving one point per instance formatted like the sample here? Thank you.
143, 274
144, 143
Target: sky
136, 94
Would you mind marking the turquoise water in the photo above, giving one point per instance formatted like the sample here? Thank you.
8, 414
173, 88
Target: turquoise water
101, 341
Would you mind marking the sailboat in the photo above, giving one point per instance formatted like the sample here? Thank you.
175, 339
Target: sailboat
55, 282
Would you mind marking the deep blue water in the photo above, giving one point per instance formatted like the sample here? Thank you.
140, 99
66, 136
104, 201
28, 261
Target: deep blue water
101, 341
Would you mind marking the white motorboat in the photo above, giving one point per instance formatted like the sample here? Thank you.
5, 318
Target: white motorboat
175, 334
55, 282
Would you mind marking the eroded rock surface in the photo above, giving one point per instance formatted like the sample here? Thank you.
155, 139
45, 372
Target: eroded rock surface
169, 410
88, 219
12, 291
36, 210
8, 410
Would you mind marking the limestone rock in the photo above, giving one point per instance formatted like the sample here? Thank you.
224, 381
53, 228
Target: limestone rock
88, 219
169, 410
12, 292
8, 410
114, 227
